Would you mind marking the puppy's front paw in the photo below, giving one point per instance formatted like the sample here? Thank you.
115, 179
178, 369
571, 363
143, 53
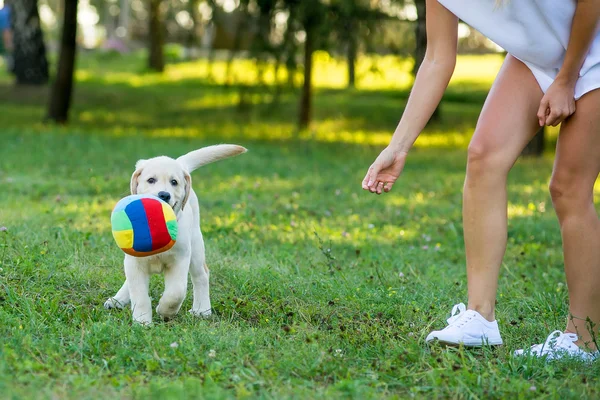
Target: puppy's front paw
169, 306
166, 313
113, 303
200, 313
143, 320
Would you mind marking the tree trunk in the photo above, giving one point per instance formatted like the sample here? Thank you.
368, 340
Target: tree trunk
209, 38
124, 15
290, 63
210, 58
192, 36
536, 146
156, 59
351, 53
260, 45
289, 49
110, 23
240, 30
283, 57
30, 63
306, 100
60, 98
420, 35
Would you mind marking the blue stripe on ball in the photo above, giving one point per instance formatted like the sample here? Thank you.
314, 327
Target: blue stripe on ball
124, 202
142, 240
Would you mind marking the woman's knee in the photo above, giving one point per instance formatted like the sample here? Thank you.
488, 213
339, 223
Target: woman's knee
570, 191
484, 159
558, 186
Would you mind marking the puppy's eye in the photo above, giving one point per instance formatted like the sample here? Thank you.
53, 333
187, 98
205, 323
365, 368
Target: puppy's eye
151, 181
173, 182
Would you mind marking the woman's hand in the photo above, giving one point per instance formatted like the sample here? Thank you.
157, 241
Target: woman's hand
557, 104
384, 171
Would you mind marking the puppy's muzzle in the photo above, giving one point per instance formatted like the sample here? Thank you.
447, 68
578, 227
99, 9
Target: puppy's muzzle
164, 196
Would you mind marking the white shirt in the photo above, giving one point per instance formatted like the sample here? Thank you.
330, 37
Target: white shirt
533, 31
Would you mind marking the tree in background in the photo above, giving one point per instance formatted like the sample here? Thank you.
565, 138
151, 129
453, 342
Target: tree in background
346, 24
311, 16
261, 47
30, 63
420, 35
350, 21
124, 16
192, 37
156, 59
60, 98
240, 31
340, 20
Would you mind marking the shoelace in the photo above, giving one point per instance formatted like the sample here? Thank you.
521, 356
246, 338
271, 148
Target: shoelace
457, 314
555, 341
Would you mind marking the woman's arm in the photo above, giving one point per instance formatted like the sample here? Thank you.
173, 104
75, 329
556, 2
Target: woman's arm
432, 78
558, 103
430, 84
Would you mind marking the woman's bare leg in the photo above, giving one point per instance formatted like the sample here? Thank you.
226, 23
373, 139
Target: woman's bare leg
507, 123
576, 169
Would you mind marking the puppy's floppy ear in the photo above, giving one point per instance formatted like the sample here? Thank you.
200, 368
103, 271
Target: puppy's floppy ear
134, 178
188, 188
140, 164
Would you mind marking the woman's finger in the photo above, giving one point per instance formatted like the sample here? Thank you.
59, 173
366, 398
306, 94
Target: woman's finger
372, 183
365, 186
388, 186
559, 116
559, 119
370, 177
553, 117
543, 112
379, 187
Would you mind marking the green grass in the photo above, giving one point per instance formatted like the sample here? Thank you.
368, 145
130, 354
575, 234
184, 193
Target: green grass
319, 289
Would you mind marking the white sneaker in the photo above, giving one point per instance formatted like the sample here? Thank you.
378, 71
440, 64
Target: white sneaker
469, 328
558, 345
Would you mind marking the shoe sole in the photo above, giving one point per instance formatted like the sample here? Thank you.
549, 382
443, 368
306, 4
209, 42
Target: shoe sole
464, 344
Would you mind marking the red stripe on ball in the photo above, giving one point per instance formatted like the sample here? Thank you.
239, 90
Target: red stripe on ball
156, 222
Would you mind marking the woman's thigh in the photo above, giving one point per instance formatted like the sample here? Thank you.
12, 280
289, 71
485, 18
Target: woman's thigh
577, 162
508, 119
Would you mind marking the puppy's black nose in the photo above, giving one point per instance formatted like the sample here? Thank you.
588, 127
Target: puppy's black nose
164, 196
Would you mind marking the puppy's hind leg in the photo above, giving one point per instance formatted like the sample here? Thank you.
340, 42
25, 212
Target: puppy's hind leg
175, 289
120, 300
200, 278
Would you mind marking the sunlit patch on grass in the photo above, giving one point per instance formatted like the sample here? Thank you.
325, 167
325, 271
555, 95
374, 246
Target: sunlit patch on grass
532, 190
473, 68
373, 72
443, 139
110, 117
526, 210
183, 102
287, 131
88, 216
214, 100
325, 134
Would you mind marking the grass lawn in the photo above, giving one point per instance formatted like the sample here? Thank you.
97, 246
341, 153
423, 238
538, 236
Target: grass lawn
319, 289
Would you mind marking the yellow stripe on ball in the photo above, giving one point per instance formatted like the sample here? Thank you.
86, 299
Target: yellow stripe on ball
168, 213
124, 239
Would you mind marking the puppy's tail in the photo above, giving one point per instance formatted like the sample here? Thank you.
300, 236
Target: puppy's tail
197, 158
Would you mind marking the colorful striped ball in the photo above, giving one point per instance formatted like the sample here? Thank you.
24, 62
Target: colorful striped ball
143, 225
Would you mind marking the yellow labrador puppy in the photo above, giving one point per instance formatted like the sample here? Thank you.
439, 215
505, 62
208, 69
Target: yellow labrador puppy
170, 180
